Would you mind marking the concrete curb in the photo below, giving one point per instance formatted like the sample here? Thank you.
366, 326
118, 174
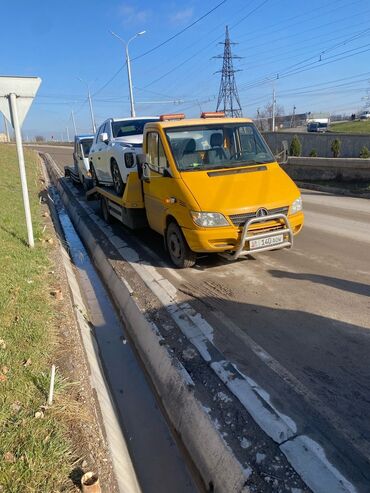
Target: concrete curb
216, 463
333, 190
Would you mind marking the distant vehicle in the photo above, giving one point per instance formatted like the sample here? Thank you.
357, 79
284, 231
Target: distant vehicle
365, 115
81, 151
317, 127
113, 152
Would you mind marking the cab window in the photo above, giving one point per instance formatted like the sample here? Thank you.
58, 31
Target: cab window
155, 153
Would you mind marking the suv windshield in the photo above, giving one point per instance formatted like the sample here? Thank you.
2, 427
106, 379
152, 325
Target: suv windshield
217, 146
124, 128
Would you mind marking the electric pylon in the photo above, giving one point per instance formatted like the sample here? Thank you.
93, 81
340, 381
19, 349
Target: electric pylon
228, 97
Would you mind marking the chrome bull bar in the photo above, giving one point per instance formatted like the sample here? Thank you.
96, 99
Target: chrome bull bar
247, 236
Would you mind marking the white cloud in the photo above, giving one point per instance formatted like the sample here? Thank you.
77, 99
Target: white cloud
182, 16
133, 15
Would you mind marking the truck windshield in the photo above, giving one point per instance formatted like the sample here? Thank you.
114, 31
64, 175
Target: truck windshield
217, 146
124, 128
86, 146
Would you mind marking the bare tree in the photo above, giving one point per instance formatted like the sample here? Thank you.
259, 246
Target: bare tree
39, 138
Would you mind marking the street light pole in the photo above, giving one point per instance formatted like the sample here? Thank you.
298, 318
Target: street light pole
91, 111
74, 122
90, 104
128, 63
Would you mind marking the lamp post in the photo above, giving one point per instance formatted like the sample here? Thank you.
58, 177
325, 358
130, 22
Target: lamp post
128, 63
90, 104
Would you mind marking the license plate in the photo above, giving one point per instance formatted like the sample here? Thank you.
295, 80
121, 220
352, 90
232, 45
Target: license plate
266, 242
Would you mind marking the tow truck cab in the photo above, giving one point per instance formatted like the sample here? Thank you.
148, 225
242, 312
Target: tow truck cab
212, 185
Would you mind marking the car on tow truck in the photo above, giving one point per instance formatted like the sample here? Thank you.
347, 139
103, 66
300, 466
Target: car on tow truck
81, 164
208, 185
113, 152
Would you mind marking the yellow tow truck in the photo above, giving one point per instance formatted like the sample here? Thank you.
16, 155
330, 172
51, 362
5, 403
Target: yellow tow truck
207, 185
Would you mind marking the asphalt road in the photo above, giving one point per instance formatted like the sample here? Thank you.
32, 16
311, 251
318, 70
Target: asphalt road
308, 308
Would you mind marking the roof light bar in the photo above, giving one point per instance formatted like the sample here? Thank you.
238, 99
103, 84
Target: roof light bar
212, 114
172, 116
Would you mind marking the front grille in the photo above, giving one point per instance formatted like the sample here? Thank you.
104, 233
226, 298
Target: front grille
241, 219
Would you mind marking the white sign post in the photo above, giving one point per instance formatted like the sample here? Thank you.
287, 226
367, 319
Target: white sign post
16, 96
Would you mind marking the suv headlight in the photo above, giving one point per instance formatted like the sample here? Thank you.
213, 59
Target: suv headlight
296, 206
209, 219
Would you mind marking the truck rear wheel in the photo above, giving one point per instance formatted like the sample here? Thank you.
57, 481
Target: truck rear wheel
179, 251
104, 209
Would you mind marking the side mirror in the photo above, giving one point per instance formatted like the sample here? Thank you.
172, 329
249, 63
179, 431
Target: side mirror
146, 172
141, 159
282, 156
103, 137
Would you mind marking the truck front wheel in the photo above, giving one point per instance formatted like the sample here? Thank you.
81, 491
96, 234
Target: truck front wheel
179, 251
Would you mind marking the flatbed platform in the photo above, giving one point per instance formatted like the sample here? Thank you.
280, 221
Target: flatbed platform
129, 208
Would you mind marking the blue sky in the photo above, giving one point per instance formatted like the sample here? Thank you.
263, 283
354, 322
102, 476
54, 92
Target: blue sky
280, 42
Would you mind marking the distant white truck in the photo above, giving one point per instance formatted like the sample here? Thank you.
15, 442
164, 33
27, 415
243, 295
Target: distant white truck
318, 124
365, 115
113, 152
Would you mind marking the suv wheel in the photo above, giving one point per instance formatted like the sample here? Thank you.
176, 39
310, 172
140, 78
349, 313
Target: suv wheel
118, 184
94, 175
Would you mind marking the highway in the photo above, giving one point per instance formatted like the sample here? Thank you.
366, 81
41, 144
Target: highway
307, 309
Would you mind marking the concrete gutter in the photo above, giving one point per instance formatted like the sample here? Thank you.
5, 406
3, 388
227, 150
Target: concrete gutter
219, 468
124, 472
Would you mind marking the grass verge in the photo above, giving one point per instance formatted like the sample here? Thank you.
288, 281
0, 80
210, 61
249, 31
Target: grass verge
35, 452
355, 127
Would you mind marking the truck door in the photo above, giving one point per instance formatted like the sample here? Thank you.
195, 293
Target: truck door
158, 185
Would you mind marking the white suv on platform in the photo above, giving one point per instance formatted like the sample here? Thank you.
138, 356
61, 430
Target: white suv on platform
113, 153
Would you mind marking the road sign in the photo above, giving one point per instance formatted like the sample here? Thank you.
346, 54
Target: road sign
16, 96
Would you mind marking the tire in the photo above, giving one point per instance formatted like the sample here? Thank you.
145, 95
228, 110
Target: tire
94, 176
105, 211
118, 184
87, 183
179, 251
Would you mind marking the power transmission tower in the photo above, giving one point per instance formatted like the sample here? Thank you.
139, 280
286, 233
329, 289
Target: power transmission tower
228, 97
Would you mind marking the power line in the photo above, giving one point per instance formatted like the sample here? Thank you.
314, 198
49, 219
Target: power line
180, 32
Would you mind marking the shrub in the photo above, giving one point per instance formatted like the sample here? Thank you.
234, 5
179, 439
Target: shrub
295, 147
313, 153
335, 147
39, 138
365, 153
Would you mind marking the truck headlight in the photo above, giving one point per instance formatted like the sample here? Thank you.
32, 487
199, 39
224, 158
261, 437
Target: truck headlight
209, 219
296, 206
